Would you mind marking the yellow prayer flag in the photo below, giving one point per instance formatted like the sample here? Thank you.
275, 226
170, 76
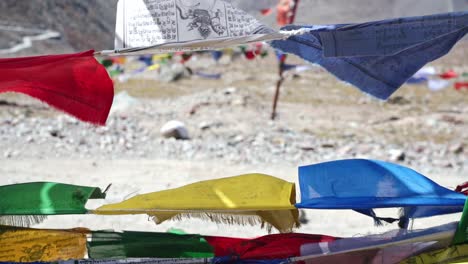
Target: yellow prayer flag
32, 245
454, 254
250, 198
158, 57
153, 67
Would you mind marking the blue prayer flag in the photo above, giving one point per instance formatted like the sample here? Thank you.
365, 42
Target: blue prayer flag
362, 185
377, 57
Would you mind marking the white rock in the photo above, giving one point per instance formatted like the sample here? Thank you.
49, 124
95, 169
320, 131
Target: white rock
230, 90
174, 129
122, 102
457, 148
397, 155
204, 125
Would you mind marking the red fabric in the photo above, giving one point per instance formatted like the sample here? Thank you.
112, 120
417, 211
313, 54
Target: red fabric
74, 83
258, 48
449, 75
283, 12
277, 246
266, 12
250, 55
461, 85
185, 57
462, 188
224, 246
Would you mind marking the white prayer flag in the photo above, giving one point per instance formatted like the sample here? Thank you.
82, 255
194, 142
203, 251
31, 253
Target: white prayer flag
154, 26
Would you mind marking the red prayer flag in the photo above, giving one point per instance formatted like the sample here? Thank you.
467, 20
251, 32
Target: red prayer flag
266, 12
277, 246
461, 85
283, 12
448, 75
250, 55
74, 83
462, 188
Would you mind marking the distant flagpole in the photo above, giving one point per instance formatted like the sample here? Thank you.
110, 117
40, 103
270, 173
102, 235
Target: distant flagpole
281, 66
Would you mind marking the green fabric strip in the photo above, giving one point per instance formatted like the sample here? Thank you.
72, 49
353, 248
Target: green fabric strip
46, 198
461, 236
105, 245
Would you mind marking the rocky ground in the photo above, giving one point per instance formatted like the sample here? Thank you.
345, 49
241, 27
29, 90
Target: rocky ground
319, 119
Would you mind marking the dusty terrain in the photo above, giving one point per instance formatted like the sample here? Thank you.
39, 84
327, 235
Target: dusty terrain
319, 119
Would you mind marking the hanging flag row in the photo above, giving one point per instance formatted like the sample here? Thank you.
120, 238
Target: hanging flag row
158, 65
440, 244
439, 81
377, 57
254, 199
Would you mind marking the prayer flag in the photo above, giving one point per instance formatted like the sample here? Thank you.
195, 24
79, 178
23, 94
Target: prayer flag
46, 198
377, 57
128, 244
245, 199
74, 83
361, 185
31, 245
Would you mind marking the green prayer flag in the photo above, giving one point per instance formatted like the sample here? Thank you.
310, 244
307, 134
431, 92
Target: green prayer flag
107, 63
107, 244
461, 235
46, 198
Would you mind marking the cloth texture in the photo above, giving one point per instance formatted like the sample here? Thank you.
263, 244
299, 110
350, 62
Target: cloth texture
74, 83
361, 184
30, 245
105, 245
377, 57
270, 247
386, 248
46, 198
453, 254
246, 199
461, 236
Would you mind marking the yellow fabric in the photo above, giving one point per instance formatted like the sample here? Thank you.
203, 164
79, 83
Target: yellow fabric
31, 245
235, 199
158, 57
453, 254
153, 67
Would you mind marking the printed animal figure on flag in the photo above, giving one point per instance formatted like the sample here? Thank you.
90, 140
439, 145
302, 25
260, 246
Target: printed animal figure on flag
36, 253
205, 20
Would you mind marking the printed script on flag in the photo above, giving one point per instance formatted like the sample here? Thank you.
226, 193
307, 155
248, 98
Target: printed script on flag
178, 25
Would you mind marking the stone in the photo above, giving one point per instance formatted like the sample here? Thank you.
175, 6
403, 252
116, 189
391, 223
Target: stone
56, 133
328, 145
230, 90
8, 154
306, 146
204, 125
173, 72
122, 102
398, 100
457, 148
397, 155
174, 129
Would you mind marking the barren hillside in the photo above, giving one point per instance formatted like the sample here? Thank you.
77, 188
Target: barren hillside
84, 24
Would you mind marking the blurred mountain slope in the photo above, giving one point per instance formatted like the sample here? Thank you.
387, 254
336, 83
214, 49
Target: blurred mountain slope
83, 24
